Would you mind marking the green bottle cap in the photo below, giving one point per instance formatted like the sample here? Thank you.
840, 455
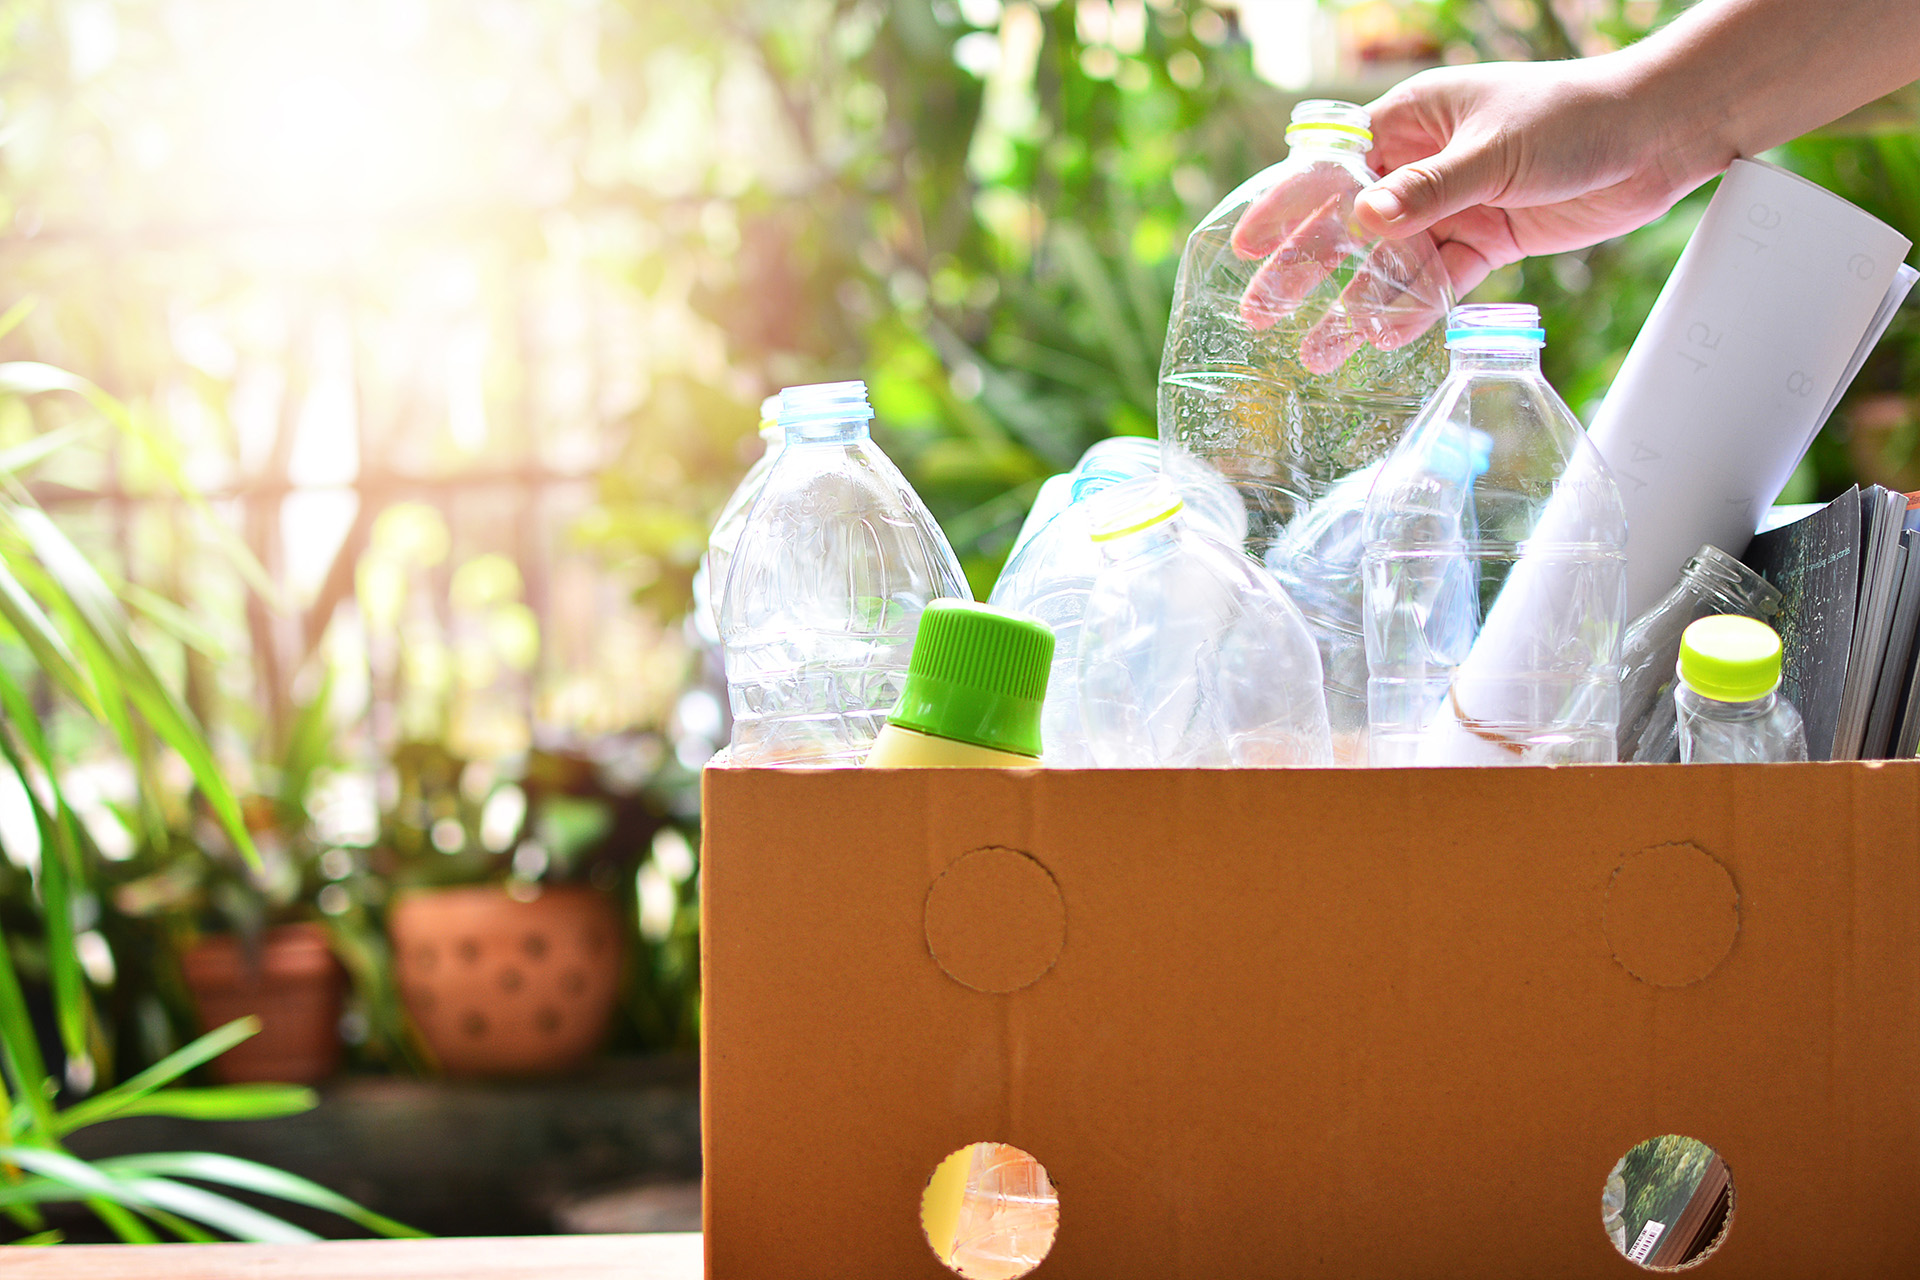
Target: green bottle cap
1730, 658
977, 674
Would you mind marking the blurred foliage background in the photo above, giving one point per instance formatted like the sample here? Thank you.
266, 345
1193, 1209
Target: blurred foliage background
457, 314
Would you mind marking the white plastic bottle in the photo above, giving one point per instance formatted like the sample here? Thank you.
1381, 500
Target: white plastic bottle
837, 560
1191, 655
1727, 698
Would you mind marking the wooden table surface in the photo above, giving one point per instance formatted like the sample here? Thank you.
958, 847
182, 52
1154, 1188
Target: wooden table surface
649, 1257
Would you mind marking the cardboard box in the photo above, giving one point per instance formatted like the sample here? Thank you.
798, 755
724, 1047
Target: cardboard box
1312, 1023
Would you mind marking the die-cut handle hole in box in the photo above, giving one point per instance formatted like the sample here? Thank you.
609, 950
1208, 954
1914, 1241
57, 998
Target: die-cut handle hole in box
990, 1211
1668, 1204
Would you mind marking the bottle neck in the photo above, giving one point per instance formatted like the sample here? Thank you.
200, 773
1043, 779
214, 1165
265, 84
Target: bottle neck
1495, 358
827, 431
1730, 586
1327, 146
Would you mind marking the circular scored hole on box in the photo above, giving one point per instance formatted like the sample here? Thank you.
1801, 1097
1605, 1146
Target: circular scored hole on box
995, 920
1668, 1204
990, 1211
1672, 915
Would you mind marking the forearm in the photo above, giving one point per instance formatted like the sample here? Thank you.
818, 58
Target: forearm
1734, 77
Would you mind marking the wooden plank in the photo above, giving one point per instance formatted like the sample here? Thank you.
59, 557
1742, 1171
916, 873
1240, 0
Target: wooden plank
647, 1257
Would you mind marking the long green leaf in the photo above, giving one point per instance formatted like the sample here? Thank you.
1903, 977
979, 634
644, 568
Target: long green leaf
247, 1175
241, 1221
65, 1177
50, 649
104, 622
28, 377
21, 457
225, 1102
20, 1049
40, 1238
59, 864
172, 1067
15, 314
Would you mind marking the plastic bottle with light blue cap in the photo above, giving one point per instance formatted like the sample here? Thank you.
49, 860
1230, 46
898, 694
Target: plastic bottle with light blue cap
1494, 568
838, 559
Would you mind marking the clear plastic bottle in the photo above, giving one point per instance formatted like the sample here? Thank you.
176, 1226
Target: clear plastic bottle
1727, 697
1526, 560
1712, 582
1051, 577
1107, 461
1297, 354
1191, 655
1008, 1216
710, 580
838, 558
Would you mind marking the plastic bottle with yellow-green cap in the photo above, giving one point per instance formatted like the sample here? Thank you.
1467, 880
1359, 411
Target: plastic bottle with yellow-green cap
1727, 698
975, 684
1297, 353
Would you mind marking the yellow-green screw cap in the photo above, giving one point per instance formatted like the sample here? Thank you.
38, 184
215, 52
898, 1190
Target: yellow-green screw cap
977, 674
1730, 658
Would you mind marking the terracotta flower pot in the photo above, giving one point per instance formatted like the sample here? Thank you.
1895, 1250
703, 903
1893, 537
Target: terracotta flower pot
500, 986
293, 985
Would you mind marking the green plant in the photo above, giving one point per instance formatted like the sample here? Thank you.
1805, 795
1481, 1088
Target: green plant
69, 639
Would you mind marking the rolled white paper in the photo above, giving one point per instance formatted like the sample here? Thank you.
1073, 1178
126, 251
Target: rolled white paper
1771, 310
1762, 324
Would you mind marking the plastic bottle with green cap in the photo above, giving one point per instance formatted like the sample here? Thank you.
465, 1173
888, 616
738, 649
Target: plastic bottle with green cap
976, 681
1727, 699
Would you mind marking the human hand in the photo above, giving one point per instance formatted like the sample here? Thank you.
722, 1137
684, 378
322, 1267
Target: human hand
1303, 228
1504, 160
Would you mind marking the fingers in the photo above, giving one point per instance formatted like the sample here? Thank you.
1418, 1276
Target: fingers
1306, 257
1277, 214
1394, 298
1421, 193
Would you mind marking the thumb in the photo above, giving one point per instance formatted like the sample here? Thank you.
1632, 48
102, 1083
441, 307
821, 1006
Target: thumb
1417, 195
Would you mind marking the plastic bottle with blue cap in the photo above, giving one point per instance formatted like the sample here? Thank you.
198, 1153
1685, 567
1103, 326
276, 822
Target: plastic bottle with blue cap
838, 559
1494, 568
1190, 654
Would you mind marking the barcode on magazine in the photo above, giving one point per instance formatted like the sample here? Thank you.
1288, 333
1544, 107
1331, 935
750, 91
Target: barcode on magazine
1649, 1236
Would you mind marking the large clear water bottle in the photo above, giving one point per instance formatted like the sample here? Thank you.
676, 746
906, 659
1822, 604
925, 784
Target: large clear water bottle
1052, 576
1727, 699
1712, 582
837, 560
1494, 568
1296, 355
710, 580
1191, 655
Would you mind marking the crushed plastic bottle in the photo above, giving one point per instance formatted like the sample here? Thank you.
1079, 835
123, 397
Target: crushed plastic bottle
1297, 355
1727, 697
710, 579
1526, 560
1191, 655
837, 560
1712, 582
1109, 461
1051, 577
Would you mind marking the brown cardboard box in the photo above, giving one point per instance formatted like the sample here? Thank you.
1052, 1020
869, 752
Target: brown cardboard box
1312, 1023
